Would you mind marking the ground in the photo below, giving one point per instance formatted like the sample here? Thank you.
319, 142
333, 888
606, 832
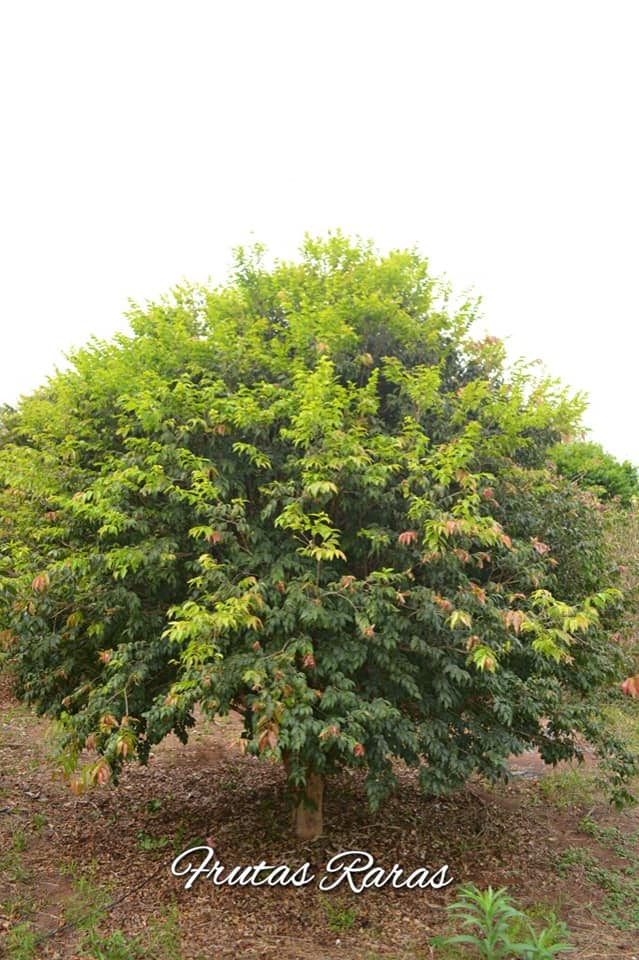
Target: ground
89, 876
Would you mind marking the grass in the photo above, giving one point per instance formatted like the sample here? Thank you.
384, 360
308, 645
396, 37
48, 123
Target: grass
620, 905
161, 940
89, 901
451, 951
163, 937
339, 918
12, 868
17, 907
540, 911
569, 788
21, 943
113, 946
86, 909
19, 841
624, 844
618, 884
38, 822
180, 841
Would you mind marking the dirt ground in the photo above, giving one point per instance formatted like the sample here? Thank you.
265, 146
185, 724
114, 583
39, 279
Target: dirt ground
73, 868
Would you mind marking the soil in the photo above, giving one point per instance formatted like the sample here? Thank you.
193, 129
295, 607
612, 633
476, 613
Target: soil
64, 855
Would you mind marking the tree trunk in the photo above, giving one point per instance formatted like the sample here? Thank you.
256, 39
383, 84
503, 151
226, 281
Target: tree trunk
308, 815
308, 812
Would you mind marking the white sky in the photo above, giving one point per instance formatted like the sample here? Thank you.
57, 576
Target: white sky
142, 140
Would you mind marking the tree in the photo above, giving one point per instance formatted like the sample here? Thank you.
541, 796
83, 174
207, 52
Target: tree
311, 498
593, 468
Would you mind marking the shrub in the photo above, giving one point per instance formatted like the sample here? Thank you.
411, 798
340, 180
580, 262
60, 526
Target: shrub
496, 930
589, 465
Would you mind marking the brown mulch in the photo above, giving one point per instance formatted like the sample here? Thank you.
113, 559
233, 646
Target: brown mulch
124, 838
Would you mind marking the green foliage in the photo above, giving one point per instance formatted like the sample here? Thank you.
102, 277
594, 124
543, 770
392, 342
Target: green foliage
618, 883
89, 902
38, 821
496, 930
589, 465
568, 788
147, 843
312, 498
622, 537
113, 946
21, 942
162, 937
12, 866
18, 840
340, 919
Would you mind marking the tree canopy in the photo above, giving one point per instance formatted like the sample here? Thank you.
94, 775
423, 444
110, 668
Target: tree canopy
311, 497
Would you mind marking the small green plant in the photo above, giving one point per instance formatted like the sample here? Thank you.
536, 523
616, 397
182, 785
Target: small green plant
17, 907
339, 918
154, 805
19, 841
148, 843
497, 930
114, 946
163, 938
12, 867
89, 902
21, 942
70, 869
226, 784
39, 821
181, 840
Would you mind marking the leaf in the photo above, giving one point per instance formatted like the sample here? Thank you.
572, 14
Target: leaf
101, 772
407, 537
514, 619
40, 583
319, 487
541, 548
460, 616
630, 686
328, 732
483, 658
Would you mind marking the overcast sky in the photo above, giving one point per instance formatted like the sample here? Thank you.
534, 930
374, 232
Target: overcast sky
143, 140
